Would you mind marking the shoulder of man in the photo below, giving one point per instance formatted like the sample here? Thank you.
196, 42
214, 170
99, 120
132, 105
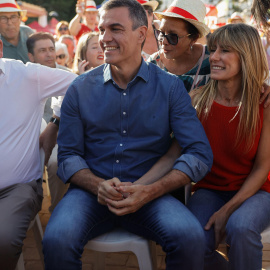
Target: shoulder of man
63, 67
26, 30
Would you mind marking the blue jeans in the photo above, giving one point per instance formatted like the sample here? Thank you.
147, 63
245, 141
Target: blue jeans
79, 217
243, 228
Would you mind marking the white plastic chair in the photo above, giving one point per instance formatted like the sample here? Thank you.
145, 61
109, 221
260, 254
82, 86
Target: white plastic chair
35, 224
122, 240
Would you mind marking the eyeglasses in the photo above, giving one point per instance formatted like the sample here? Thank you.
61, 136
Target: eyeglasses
13, 19
63, 29
60, 56
172, 38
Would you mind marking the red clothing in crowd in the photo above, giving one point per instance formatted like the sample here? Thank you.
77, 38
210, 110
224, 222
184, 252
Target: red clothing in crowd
231, 164
84, 29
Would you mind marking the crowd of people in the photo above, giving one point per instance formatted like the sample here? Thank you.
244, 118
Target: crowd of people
136, 109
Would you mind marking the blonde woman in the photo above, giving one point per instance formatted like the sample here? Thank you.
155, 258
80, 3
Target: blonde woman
234, 198
88, 53
61, 29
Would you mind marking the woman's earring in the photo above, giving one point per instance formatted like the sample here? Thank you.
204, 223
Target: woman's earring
191, 47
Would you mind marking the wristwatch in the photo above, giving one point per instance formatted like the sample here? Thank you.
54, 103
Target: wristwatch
55, 121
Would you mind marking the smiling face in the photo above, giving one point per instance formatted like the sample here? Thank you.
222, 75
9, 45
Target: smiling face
225, 64
120, 43
43, 53
94, 53
174, 26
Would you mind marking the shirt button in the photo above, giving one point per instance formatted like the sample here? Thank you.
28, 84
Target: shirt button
124, 131
121, 144
117, 161
124, 113
124, 94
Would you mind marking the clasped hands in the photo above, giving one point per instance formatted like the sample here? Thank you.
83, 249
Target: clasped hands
122, 197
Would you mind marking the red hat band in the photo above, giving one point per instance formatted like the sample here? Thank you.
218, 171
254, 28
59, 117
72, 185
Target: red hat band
181, 12
8, 5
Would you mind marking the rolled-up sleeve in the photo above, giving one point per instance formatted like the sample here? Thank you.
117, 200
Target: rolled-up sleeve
70, 138
196, 158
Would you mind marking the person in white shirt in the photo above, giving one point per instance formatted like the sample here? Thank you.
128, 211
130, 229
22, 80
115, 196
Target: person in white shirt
23, 93
41, 50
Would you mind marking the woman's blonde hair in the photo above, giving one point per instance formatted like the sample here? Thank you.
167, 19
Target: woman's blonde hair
246, 42
81, 49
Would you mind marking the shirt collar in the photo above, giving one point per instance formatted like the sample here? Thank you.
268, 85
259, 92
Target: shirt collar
142, 73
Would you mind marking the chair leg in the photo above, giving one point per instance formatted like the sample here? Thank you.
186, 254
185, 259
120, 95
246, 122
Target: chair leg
47, 182
153, 251
20, 263
38, 235
99, 263
144, 256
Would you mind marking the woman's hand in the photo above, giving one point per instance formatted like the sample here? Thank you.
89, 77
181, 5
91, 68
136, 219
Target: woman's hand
218, 220
82, 66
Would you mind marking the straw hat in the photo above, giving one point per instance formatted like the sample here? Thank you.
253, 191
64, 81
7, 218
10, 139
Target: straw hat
90, 6
153, 4
192, 11
236, 16
11, 6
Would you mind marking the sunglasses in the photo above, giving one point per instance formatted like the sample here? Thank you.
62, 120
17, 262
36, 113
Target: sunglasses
60, 56
172, 38
63, 28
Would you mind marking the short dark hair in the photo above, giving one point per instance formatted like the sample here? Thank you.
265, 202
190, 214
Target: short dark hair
192, 30
136, 12
30, 43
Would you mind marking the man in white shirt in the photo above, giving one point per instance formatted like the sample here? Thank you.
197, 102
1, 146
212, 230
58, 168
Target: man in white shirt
23, 93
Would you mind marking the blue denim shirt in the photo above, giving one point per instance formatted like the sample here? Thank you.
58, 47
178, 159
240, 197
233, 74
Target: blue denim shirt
122, 133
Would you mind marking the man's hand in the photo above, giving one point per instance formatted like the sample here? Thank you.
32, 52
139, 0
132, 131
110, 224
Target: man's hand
107, 190
47, 140
219, 221
135, 196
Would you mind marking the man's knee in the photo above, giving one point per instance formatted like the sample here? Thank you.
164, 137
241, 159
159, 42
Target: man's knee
10, 245
238, 230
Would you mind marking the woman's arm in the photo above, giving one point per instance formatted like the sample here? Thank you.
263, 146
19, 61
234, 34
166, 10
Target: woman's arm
252, 184
163, 165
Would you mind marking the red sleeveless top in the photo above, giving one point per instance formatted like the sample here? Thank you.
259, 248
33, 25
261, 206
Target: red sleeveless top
231, 164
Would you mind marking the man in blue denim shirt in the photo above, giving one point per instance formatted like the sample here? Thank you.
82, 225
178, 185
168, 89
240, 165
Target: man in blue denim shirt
116, 122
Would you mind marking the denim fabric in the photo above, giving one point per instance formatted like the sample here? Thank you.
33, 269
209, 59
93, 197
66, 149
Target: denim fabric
79, 217
122, 133
243, 228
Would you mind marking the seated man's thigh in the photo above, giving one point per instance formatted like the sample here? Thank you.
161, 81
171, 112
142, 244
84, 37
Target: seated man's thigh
19, 204
77, 218
164, 220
